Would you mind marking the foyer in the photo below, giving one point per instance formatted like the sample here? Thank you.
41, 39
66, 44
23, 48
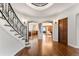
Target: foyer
39, 29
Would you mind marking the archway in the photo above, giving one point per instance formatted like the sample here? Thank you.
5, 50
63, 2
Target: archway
32, 30
47, 30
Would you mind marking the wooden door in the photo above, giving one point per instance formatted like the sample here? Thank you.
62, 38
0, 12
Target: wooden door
63, 31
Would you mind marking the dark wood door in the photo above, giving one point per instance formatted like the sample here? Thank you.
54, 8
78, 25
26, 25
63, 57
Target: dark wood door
63, 30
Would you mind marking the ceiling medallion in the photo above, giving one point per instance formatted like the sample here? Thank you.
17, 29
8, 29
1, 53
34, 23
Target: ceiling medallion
39, 4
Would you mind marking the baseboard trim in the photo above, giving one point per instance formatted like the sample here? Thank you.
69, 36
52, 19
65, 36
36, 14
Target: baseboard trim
27, 44
55, 40
74, 46
18, 51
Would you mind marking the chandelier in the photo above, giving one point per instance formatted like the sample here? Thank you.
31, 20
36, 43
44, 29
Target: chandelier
39, 4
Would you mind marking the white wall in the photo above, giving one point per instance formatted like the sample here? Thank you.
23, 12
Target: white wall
33, 26
55, 30
71, 14
9, 43
77, 30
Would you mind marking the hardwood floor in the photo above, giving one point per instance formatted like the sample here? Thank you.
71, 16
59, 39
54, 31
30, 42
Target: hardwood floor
48, 47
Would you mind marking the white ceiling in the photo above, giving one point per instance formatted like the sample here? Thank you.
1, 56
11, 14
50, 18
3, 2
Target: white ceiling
50, 9
39, 8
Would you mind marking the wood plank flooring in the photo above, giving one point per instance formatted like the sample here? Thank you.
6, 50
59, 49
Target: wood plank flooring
48, 47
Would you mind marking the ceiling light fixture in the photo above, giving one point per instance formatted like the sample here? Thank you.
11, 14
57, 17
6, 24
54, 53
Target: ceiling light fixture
39, 4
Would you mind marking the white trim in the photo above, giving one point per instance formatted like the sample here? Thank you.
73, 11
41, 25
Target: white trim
74, 46
40, 8
28, 45
17, 51
55, 40
26, 42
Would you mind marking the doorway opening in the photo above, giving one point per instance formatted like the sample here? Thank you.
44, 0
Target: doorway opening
33, 30
47, 30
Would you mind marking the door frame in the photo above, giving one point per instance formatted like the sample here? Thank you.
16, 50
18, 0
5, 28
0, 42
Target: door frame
28, 27
66, 18
52, 26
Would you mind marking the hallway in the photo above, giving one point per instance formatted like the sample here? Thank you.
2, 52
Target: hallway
39, 31
47, 47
